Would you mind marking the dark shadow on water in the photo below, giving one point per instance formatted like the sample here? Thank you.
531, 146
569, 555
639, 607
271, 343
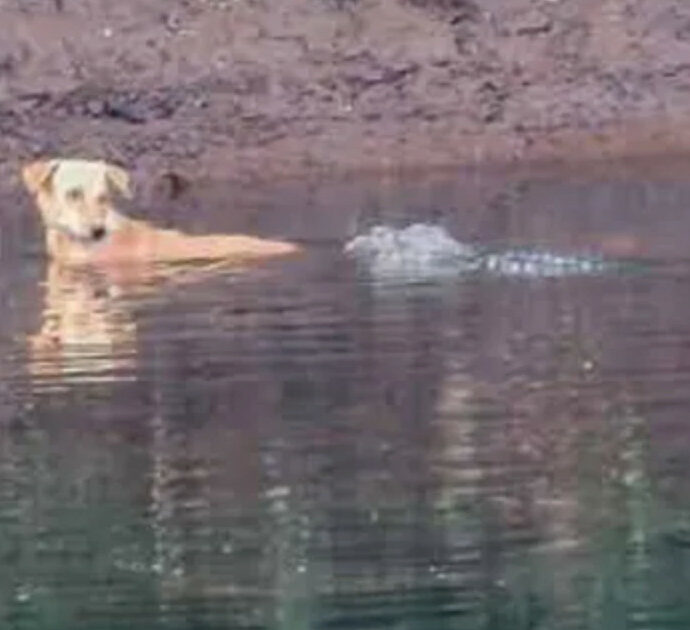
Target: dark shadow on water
288, 447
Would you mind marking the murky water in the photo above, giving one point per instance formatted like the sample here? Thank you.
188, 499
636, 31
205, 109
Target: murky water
292, 447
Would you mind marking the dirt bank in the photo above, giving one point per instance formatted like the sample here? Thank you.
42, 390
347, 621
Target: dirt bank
259, 88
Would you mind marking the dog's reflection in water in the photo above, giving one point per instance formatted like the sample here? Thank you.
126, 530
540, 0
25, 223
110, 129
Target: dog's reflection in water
87, 333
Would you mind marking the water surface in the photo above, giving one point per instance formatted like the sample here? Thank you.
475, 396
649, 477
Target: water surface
291, 446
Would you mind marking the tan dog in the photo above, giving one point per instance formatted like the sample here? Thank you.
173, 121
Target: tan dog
83, 226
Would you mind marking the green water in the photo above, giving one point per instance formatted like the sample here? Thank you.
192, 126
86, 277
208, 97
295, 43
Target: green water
287, 448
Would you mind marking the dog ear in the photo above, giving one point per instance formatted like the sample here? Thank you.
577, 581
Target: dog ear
37, 175
120, 180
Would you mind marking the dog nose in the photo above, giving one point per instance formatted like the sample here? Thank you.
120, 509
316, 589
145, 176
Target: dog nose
97, 233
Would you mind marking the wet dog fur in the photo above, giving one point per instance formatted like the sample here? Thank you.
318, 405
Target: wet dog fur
82, 225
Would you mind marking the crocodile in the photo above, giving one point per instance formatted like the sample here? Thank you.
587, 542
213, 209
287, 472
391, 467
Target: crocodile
424, 252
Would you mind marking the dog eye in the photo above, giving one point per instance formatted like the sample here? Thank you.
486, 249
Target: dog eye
75, 194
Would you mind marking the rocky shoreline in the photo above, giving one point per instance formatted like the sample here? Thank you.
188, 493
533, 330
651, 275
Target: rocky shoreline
253, 90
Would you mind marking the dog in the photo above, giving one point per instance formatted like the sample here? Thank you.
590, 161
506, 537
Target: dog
99, 259
82, 225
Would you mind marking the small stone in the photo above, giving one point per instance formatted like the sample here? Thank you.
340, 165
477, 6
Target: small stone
531, 23
95, 107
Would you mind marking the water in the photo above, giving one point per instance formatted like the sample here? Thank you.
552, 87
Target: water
292, 447
427, 252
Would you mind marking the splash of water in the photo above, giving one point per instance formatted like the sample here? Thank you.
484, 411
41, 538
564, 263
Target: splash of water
424, 252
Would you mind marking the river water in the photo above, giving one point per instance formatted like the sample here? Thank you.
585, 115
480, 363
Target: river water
293, 446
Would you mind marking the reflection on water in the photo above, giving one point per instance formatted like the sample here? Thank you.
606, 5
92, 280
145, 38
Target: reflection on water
288, 448
85, 336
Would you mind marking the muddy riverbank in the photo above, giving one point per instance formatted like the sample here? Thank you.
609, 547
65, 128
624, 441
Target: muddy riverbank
256, 89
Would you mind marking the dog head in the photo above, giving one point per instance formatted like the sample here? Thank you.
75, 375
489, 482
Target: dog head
75, 197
